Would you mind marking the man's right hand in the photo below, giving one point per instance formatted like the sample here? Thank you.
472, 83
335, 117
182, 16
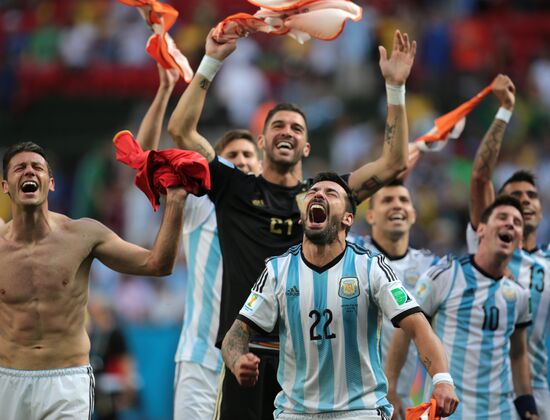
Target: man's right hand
246, 369
446, 399
398, 409
505, 91
219, 51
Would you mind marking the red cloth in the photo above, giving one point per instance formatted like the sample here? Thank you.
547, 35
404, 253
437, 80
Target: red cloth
424, 411
160, 169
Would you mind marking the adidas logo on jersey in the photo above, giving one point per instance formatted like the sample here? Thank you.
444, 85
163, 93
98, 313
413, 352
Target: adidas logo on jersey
293, 291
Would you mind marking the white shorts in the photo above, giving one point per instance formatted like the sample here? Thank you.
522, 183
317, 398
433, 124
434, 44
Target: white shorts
195, 391
542, 398
339, 415
59, 394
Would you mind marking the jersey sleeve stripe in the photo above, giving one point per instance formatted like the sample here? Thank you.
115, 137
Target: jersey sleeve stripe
260, 283
390, 275
399, 317
523, 324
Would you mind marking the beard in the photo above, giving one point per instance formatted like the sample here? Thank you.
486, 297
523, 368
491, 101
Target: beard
284, 165
326, 236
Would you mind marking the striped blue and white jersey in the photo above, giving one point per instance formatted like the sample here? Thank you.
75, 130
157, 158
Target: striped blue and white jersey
408, 269
475, 315
204, 280
532, 271
330, 320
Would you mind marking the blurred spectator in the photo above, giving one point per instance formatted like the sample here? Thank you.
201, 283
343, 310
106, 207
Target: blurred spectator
114, 371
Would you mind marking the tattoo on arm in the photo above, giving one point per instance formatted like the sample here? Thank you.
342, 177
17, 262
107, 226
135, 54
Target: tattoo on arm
204, 84
487, 155
207, 153
390, 132
235, 343
369, 187
427, 362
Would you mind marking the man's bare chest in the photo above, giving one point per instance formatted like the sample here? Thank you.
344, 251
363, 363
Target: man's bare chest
45, 269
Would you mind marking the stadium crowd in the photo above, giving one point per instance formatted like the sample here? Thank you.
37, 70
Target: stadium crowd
96, 50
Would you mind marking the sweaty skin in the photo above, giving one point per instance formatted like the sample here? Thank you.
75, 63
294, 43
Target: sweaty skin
45, 259
43, 295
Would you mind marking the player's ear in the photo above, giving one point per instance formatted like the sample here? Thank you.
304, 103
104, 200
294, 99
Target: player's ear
307, 149
481, 230
261, 142
347, 219
369, 216
52, 184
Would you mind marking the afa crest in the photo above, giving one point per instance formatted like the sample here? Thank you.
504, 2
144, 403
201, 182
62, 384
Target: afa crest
349, 287
508, 292
411, 277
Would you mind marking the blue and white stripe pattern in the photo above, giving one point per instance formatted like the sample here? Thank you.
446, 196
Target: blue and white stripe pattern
408, 269
330, 322
532, 271
204, 280
475, 315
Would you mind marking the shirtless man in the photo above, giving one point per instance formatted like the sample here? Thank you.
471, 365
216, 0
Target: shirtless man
45, 259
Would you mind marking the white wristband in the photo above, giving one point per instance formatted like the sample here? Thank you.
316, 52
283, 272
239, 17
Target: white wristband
442, 377
503, 114
396, 94
209, 67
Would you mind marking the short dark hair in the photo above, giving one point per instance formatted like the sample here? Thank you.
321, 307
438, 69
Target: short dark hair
501, 200
26, 146
396, 182
519, 176
232, 135
283, 107
351, 205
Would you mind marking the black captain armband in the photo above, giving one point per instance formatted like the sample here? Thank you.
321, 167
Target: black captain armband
525, 404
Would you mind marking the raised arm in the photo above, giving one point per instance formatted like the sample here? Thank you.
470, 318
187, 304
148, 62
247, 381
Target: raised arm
243, 364
521, 373
482, 192
128, 258
185, 118
148, 135
366, 180
432, 355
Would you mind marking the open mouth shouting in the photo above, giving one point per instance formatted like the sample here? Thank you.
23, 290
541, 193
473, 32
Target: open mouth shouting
284, 144
29, 187
317, 214
506, 237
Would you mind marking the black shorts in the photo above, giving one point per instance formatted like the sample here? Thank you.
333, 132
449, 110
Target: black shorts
236, 402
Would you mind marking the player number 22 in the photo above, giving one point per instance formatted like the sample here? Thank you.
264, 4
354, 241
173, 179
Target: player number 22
316, 315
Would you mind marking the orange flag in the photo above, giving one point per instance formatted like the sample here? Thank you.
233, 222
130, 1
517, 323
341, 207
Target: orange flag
450, 125
161, 17
424, 411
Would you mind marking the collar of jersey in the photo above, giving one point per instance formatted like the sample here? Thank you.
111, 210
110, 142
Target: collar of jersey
478, 268
331, 264
383, 252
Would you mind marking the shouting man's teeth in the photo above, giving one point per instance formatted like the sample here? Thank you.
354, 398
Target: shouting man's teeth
397, 217
29, 186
